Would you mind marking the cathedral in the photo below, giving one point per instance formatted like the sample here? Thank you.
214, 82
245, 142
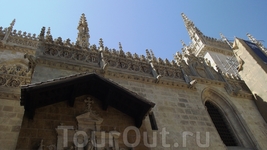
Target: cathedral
61, 95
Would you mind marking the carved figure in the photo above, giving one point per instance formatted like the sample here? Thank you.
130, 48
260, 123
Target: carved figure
32, 62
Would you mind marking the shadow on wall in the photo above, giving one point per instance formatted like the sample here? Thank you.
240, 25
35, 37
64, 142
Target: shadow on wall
262, 105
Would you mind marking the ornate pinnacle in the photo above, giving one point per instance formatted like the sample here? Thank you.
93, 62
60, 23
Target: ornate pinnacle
186, 20
152, 54
9, 29
148, 54
83, 22
184, 45
101, 43
83, 33
120, 47
12, 23
48, 31
42, 33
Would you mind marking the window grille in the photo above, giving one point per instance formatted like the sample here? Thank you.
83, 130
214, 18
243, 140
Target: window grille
221, 125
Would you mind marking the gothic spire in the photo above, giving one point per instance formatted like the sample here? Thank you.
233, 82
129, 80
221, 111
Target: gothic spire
187, 22
191, 28
83, 33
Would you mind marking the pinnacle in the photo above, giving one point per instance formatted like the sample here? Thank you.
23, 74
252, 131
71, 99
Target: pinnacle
83, 21
120, 47
186, 20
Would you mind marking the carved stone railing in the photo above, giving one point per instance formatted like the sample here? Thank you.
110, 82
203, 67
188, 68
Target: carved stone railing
116, 59
23, 38
20, 38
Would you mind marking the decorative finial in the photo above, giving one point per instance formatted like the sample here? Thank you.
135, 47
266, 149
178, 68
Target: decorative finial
152, 54
120, 47
42, 33
8, 32
191, 28
186, 20
12, 23
184, 45
148, 56
48, 31
83, 33
101, 43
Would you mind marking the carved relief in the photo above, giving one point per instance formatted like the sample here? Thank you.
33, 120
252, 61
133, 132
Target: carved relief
14, 75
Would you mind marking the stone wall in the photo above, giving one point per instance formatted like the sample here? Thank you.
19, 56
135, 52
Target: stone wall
178, 111
182, 110
13, 73
11, 114
43, 73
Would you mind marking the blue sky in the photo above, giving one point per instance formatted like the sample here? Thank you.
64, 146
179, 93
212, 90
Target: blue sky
139, 24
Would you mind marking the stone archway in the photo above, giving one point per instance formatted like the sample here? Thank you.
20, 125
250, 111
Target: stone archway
229, 111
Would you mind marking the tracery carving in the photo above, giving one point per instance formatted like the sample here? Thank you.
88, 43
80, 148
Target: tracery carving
14, 75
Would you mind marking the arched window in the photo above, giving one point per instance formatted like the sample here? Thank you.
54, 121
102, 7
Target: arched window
221, 125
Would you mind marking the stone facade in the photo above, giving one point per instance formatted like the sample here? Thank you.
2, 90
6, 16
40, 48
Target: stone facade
179, 88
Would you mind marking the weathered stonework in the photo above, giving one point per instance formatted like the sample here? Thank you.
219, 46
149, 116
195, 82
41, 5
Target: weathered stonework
179, 88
